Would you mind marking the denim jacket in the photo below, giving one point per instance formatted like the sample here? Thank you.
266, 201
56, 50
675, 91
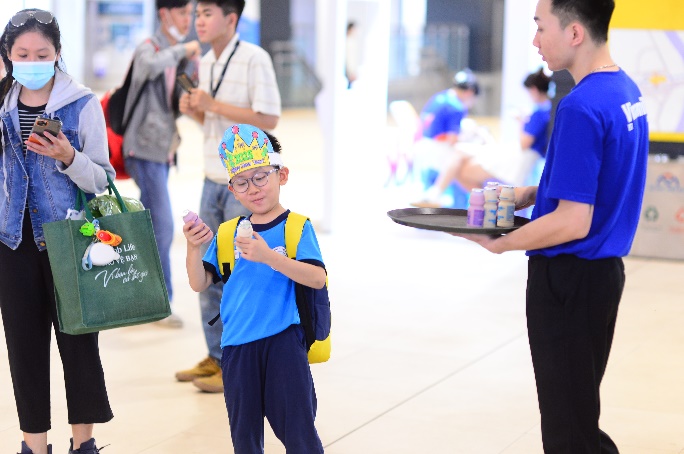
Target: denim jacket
43, 185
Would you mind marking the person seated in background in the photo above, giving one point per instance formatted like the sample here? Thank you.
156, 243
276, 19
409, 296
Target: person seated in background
441, 117
472, 166
440, 121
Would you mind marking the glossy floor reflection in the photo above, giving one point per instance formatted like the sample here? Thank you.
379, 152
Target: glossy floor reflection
430, 351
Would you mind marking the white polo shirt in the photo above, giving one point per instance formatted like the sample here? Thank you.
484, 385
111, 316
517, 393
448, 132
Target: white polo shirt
249, 82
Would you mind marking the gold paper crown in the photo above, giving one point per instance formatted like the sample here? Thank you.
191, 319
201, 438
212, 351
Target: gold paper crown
237, 156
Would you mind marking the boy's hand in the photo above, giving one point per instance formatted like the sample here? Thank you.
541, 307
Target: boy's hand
254, 249
197, 234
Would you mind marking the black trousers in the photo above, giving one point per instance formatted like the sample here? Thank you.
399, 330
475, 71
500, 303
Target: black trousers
572, 306
27, 302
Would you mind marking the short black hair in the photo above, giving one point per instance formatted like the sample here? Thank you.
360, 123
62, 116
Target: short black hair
228, 6
538, 80
171, 4
275, 142
595, 15
466, 80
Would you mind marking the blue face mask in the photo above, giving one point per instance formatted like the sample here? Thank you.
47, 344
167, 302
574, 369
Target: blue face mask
33, 74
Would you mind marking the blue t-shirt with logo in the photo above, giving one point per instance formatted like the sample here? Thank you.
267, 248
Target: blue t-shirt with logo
597, 155
257, 300
442, 115
538, 127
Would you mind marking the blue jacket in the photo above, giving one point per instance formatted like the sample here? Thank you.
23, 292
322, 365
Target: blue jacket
42, 184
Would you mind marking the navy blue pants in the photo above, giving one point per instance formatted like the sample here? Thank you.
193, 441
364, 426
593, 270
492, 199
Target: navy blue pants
572, 306
271, 378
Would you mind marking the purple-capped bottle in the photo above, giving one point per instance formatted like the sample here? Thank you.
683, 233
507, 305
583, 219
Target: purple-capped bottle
476, 208
191, 216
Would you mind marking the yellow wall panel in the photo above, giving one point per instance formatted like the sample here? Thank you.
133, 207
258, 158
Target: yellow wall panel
652, 15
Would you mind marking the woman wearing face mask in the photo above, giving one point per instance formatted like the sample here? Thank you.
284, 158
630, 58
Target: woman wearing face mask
38, 184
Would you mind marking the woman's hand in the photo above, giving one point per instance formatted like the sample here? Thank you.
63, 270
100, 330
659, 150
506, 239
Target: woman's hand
58, 148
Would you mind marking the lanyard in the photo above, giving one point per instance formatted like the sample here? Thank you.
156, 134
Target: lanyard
223, 73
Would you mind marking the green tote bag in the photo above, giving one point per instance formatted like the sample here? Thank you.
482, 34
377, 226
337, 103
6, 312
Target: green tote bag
128, 290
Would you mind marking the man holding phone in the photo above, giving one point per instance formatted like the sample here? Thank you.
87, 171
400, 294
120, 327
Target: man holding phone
151, 138
237, 84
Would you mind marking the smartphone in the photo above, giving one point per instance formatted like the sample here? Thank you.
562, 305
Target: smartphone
45, 124
185, 82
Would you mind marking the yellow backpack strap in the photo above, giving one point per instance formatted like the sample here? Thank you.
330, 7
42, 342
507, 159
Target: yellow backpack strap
225, 246
294, 226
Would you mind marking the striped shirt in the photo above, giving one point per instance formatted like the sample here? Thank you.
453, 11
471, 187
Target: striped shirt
27, 116
249, 82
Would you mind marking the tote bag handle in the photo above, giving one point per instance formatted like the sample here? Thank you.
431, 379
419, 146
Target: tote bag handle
82, 202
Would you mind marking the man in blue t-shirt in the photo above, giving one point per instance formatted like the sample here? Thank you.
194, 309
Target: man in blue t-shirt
586, 212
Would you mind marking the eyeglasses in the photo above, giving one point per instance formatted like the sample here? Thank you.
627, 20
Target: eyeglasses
19, 19
259, 179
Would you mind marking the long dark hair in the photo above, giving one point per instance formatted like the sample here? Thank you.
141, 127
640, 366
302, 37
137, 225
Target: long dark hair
11, 33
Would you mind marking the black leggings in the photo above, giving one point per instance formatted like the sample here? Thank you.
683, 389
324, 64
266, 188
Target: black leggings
28, 307
572, 306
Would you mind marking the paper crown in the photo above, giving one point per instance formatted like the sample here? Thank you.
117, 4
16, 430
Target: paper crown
238, 154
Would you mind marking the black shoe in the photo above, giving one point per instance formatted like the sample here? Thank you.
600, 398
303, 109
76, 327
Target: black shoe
87, 447
25, 449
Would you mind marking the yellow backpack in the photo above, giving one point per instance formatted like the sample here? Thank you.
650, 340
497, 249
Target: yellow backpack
313, 304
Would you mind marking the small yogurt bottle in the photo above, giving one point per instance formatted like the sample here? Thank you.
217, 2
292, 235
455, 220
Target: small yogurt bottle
244, 230
505, 215
476, 208
491, 206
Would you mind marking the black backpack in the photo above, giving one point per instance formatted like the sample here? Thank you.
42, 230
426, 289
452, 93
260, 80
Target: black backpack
117, 101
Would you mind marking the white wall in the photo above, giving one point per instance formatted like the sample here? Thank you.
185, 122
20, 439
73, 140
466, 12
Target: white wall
350, 118
520, 58
70, 15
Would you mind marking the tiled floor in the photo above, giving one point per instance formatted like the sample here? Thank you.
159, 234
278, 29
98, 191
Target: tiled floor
430, 351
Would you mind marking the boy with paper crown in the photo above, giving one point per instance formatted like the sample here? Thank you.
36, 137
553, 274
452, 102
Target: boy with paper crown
263, 342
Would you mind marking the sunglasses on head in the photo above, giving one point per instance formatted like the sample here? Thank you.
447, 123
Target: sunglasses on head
19, 19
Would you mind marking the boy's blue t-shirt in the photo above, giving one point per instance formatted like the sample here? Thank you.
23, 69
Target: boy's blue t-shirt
597, 155
258, 301
538, 127
442, 115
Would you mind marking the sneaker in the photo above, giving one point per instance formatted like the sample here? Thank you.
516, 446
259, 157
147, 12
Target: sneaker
26, 450
172, 321
205, 368
211, 384
87, 447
